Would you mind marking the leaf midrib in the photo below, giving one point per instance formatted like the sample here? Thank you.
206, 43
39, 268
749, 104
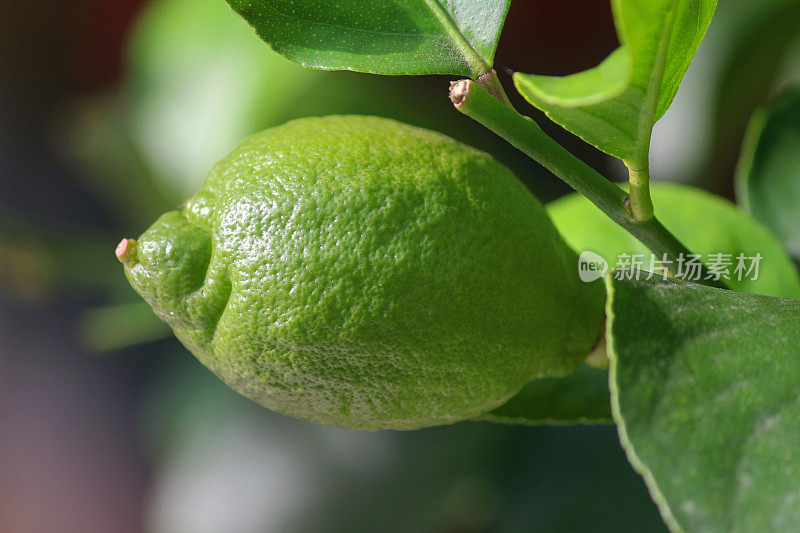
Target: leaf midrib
640, 154
475, 61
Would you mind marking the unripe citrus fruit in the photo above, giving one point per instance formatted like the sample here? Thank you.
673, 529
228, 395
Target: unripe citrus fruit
358, 272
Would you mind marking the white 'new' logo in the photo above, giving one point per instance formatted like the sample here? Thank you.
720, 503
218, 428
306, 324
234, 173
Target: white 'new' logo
591, 266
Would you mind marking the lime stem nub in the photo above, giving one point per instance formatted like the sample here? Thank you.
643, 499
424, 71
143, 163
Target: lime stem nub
126, 250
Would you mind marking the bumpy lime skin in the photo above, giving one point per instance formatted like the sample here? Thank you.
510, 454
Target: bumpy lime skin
357, 272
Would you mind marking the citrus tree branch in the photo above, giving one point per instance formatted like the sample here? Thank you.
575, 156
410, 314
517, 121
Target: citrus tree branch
523, 133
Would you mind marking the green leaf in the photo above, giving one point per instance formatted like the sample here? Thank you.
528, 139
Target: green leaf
595, 86
684, 209
768, 178
456, 37
705, 390
582, 397
615, 105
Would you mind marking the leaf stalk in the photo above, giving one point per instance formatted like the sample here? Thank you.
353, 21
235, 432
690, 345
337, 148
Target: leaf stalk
641, 205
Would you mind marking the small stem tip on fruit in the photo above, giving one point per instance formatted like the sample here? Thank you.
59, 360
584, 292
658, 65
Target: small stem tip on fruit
126, 250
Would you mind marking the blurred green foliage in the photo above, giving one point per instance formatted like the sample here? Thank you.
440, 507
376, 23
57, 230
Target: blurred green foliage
199, 81
768, 178
224, 464
684, 209
38, 261
760, 38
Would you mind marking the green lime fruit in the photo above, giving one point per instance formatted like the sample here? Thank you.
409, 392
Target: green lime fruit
709, 226
358, 272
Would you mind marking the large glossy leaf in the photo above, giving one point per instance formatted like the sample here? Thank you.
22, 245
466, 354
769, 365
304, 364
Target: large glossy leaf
705, 388
706, 224
581, 397
615, 105
388, 37
768, 177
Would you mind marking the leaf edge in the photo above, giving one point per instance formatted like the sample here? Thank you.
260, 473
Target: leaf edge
639, 466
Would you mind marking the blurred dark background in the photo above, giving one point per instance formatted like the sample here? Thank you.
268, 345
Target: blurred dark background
110, 113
